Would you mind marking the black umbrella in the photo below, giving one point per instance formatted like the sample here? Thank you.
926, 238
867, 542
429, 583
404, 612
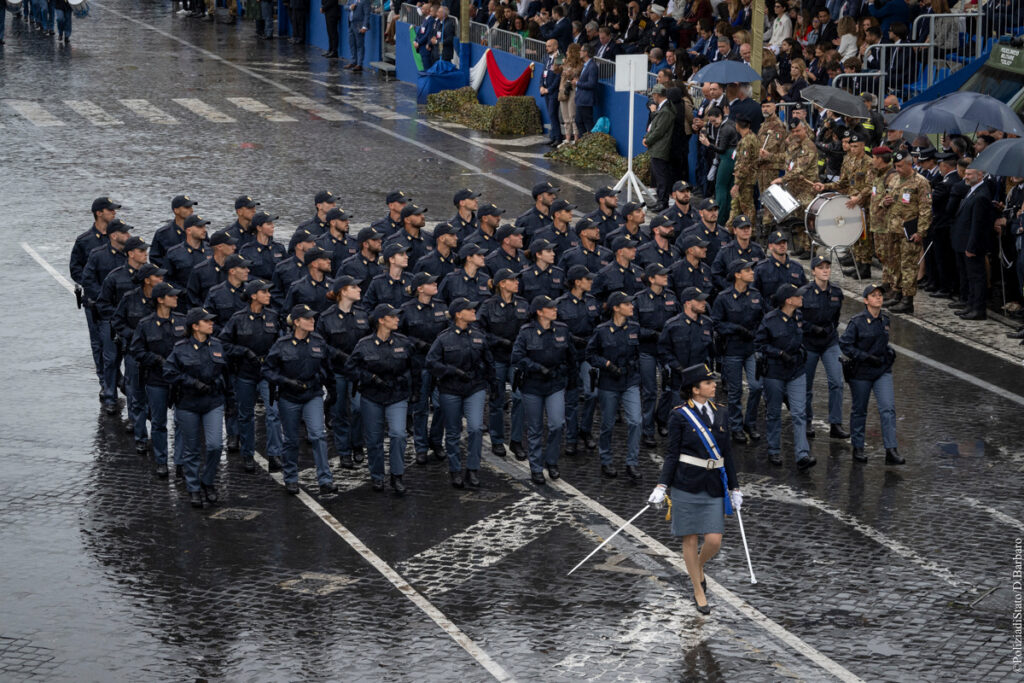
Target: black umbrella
984, 111
834, 99
922, 119
1002, 158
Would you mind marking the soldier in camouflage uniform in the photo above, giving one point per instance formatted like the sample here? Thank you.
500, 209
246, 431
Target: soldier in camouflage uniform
771, 157
855, 182
881, 168
908, 196
801, 174
745, 171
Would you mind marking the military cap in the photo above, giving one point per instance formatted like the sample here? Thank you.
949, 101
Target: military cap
818, 260
740, 264
691, 240
464, 194
871, 289
505, 230
623, 243
367, 234
561, 205
182, 200
245, 202
785, 291
422, 278
541, 188
471, 249
489, 210
192, 221
693, 294
342, 281
681, 186
236, 261
616, 298
262, 217
197, 314
577, 272
164, 289
300, 311
337, 214
537, 246
397, 196
135, 242
695, 374
254, 285
605, 191
461, 303
324, 197
394, 248
383, 310
503, 274
708, 204
444, 228
148, 270
541, 301
776, 237
222, 237
104, 203
585, 223
118, 225
314, 253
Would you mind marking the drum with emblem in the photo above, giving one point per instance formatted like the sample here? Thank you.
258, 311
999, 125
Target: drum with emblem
831, 224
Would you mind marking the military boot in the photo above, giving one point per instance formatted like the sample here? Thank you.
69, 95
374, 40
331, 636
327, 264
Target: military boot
905, 305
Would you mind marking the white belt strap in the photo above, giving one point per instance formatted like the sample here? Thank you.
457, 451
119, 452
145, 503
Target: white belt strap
704, 463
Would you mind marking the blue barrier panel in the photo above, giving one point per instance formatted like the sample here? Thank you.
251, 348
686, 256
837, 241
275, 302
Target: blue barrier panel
316, 32
405, 63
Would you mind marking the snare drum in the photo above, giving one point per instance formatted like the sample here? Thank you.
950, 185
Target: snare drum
779, 202
831, 224
14, 6
79, 7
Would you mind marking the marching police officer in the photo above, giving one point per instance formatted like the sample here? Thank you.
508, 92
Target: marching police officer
657, 251
686, 340
464, 221
262, 252
207, 273
461, 364
588, 253
311, 287
653, 306
779, 340
621, 275
581, 313
383, 363
289, 270
228, 297
633, 216
442, 260
604, 216
197, 373
777, 268
323, 202
242, 229
822, 304
539, 216
708, 229
692, 270
363, 267
509, 253
103, 211
153, 341
500, 317
559, 234
335, 240
173, 231
296, 365
543, 278
423, 318
865, 342
681, 214
470, 281
248, 337
489, 217
342, 327
186, 255
614, 350
737, 312
741, 247
391, 286
411, 235
392, 222
543, 353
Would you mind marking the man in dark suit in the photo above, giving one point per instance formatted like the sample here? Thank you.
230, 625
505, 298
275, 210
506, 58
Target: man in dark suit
940, 261
743, 104
332, 16
550, 78
423, 35
606, 48
972, 237
586, 91
827, 30
556, 26
443, 41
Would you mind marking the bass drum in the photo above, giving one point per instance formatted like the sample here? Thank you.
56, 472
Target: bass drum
14, 6
830, 224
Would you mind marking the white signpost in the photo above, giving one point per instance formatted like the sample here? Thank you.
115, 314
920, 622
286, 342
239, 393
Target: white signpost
631, 76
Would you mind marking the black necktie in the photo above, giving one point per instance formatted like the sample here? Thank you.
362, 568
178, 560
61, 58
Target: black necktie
707, 416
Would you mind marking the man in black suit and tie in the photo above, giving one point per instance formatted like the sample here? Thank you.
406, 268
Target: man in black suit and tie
940, 260
550, 78
606, 47
972, 239
828, 32
556, 26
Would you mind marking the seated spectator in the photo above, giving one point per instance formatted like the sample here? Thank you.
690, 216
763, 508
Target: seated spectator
797, 71
656, 59
847, 37
769, 66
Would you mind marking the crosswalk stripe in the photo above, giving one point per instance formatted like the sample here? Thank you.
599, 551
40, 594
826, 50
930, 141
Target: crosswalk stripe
317, 108
256, 107
147, 111
34, 113
201, 108
93, 113
376, 110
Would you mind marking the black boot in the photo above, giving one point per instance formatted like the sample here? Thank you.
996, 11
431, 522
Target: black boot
249, 465
141, 446
570, 450
893, 457
232, 443
274, 463
498, 449
891, 297
517, 450
739, 436
457, 480
397, 484
357, 454
859, 455
179, 472
905, 305
345, 460
836, 431
589, 440
421, 458
538, 478
809, 431
291, 488
328, 489
864, 270
473, 479
161, 471
609, 471
195, 498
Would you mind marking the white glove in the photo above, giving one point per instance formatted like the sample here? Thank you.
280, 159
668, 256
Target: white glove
657, 496
712, 173
737, 499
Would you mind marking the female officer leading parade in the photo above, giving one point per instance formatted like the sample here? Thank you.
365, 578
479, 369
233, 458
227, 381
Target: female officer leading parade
698, 433
197, 370
297, 364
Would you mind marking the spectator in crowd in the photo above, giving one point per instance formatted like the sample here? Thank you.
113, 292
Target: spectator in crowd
586, 90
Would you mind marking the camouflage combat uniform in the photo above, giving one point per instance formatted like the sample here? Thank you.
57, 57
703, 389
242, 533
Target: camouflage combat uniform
745, 174
912, 199
801, 174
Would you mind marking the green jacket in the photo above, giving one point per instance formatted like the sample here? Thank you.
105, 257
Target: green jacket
659, 133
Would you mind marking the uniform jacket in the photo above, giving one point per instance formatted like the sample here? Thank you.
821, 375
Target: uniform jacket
866, 342
460, 361
198, 371
683, 439
547, 358
152, 342
305, 361
247, 338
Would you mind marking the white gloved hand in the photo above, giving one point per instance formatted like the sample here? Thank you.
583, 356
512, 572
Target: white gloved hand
712, 173
657, 496
737, 499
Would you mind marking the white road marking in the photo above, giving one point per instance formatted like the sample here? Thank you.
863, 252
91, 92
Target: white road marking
997, 514
93, 113
147, 111
61, 280
256, 107
317, 108
359, 103
439, 618
786, 494
200, 108
34, 113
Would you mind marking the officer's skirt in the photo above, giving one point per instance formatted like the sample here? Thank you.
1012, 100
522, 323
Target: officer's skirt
696, 513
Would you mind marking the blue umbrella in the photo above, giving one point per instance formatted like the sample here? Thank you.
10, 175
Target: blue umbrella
1002, 158
726, 71
922, 119
981, 110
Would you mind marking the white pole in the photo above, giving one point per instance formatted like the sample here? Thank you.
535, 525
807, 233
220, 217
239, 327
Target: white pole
746, 550
629, 145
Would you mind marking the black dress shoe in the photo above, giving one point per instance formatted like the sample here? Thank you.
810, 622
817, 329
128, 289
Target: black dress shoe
378, 484
329, 55
739, 436
588, 440
752, 432
421, 458
141, 446
195, 498
345, 460
111, 408
397, 484
703, 609
517, 450
940, 294
438, 450
859, 455
274, 463
806, 463
161, 471
538, 478
836, 431
809, 432
498, 449
609, 471
775, 458
571, 450
893, 457
179, 472
958, 305
291, 487
649, 442
357, 454
232, 442
633, 472
249, 465
457, 480
473, 479
328, 489
554, 473
975, 315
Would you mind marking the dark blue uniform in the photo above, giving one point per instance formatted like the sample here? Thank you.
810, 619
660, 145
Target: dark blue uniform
388, 227
342, 331
242, 236
101, 262
499, 259
500, 322
308, 230
204, 276
615, 351
547, 360
641, 236
263, 258
681, 220
418, 247
338, 249
532, 222
685, 342
549, 282
482, 240
581, 316
422, 323
684, 275
247, 338
616, 278
716, 239
151, 344
729, 253
581, 256
737, 316
223, 301
361, 269
605, 223
133, 307
683, 439
770, 273
298, 367
780, 340
562, 240
309, 291
180, 260
385, 290
197, 373
650, 253
464, 229
821, 311
866, 343
652, 311
116, 284
85, 243
287, 271
459, 284
166, 237
437, 265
